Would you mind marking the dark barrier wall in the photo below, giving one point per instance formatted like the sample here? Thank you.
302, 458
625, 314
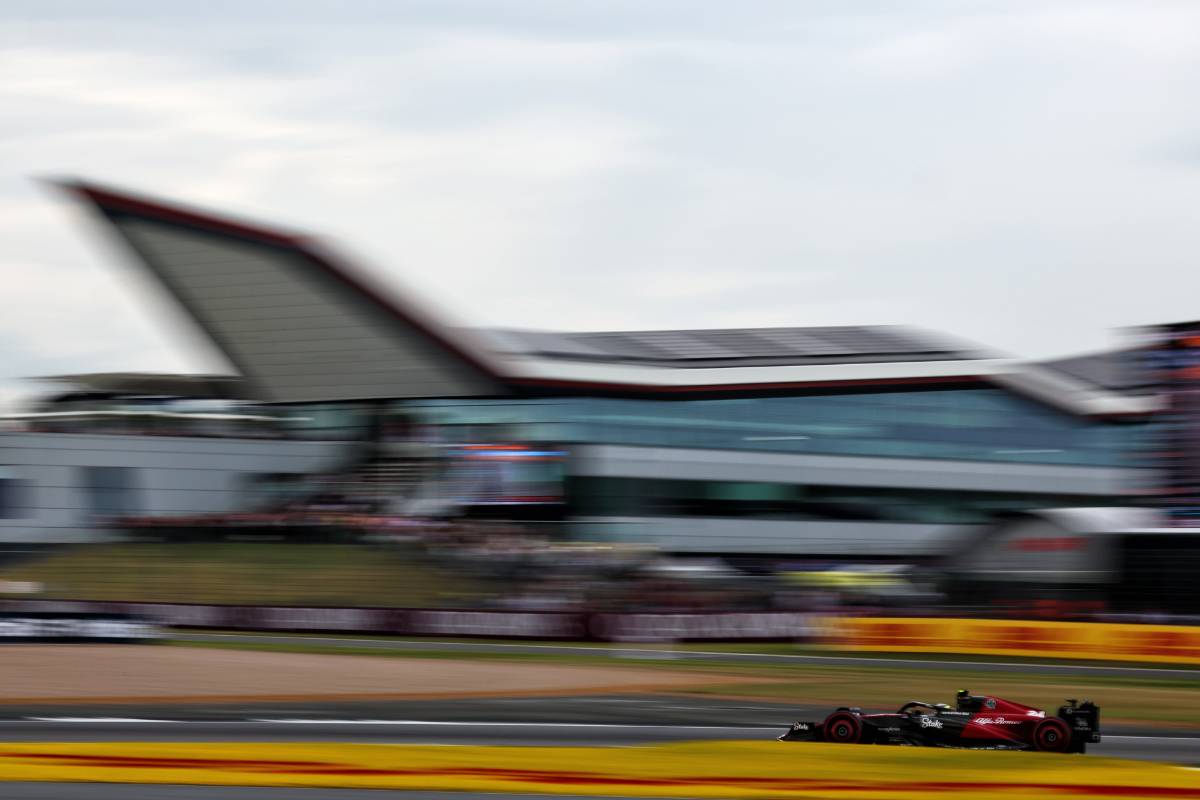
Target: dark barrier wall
613, 627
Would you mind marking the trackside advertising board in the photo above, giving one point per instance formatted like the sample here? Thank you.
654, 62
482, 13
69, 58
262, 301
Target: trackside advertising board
76, 627
483, 623
1175, 644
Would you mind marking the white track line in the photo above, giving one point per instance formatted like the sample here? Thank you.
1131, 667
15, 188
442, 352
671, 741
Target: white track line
1196, 739
456, 724
105, 720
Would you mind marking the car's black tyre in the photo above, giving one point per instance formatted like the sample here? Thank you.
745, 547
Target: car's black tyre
1052, 735
842, 727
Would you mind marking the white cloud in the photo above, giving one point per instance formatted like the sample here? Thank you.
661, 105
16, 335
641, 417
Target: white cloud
1003, 174
234, 142
1166, 31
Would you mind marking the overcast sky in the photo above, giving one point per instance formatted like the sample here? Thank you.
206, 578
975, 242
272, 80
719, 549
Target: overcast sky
1023, 175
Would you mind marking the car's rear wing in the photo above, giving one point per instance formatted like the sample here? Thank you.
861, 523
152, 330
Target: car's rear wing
1083, 719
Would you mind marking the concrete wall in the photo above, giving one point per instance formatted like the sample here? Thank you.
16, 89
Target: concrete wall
775, 537
170, 476
615, 461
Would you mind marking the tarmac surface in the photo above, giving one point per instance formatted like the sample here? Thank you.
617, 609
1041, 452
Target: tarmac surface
601, 720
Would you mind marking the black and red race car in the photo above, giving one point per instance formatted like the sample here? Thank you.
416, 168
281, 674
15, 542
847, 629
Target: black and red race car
977, 721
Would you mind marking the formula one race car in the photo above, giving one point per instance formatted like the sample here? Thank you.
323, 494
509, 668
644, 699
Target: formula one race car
978, 721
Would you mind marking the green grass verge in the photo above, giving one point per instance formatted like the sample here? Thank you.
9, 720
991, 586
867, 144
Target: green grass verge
1128, 699
246, 573
747, 648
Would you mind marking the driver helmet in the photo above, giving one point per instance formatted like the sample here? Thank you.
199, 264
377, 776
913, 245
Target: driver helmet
967, 702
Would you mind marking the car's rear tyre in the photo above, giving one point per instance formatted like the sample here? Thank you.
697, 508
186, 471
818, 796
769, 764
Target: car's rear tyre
1052, 735
842, 727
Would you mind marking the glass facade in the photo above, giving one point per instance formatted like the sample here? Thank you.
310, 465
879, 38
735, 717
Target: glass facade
110, 491
12, 495
641, 497
327, 421
964, 424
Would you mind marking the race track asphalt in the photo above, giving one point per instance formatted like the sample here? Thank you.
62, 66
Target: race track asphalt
1179, 749
610, 720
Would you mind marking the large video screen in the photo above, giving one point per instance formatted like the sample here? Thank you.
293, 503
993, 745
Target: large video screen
507, 474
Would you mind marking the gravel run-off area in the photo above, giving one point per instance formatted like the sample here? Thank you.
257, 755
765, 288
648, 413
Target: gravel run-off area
114, 673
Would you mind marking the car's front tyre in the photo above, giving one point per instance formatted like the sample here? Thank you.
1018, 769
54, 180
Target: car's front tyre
842, 727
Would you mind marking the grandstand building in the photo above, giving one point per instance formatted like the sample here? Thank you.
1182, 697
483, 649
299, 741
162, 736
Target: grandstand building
870, 442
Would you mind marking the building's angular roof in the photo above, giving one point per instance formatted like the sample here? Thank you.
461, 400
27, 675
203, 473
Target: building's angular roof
1116, 370
301, 325
758, 347
296, 322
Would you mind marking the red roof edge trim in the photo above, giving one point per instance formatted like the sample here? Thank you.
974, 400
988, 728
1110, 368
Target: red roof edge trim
108, 200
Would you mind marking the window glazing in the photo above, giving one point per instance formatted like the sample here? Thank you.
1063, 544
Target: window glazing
640, 497
965, 424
